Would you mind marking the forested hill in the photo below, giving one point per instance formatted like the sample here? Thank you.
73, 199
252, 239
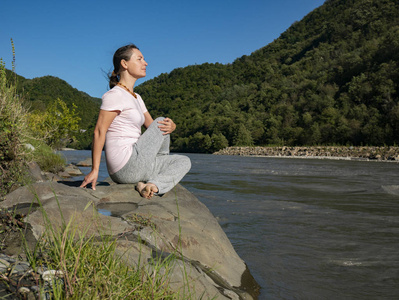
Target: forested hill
331, 78
41, 91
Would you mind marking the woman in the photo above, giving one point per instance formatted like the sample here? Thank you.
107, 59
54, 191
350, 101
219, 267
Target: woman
133, 157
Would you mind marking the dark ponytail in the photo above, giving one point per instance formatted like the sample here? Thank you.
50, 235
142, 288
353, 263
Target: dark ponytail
125, 53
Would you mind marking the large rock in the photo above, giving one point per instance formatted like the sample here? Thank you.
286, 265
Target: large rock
35, 172
73, 170
207, 264
88, 162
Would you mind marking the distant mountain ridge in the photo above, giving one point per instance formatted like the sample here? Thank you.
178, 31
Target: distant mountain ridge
331, 78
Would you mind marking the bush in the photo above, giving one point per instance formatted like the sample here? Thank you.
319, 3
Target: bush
13, 132
45, 157
57, 125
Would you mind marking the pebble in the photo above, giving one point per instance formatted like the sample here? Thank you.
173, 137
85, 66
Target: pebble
35, 288
8, 258
51, 274
41, 270
23, 290
19, 268
3, 265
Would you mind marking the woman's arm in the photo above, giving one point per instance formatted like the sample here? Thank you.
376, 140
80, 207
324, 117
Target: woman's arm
105, 119
147, 119
167, 125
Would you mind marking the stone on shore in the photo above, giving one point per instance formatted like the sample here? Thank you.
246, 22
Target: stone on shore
35, 172
73, 170
85, 163
207, 264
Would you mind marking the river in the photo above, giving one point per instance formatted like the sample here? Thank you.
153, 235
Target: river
307, 228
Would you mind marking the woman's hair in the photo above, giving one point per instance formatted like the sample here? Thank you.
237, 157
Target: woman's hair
125, 53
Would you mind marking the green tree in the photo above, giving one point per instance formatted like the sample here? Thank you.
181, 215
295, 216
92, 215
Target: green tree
199, 143
243, 137
57, 125
218, 141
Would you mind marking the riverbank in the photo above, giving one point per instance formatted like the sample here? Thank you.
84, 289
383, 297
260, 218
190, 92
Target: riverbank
320, 152
143, 236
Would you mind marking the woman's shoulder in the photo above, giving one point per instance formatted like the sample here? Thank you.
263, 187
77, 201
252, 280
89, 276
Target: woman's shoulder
114, 92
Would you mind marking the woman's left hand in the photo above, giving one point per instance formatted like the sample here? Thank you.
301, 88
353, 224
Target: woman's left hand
167, 125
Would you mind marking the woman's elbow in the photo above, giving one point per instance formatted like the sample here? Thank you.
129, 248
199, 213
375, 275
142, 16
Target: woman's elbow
98, 133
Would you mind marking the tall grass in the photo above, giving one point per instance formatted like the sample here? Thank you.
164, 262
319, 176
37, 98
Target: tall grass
13, 132
90, 268
46, 158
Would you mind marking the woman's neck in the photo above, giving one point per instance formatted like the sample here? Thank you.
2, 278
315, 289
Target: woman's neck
128, 82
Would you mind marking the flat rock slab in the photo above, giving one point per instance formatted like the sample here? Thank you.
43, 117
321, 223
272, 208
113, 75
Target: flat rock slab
176, 223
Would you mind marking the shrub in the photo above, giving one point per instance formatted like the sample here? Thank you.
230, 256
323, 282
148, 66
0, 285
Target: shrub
46, 158
57, 125
13, 132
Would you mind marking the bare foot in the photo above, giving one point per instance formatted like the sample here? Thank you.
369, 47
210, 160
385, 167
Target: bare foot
147, 190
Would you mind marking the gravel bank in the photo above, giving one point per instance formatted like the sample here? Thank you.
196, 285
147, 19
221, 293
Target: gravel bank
321, 152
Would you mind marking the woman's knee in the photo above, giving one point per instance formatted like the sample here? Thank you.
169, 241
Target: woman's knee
158, 119
154, 126
155, 123
186, 162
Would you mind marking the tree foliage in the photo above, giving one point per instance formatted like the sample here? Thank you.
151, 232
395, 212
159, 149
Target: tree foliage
58, 125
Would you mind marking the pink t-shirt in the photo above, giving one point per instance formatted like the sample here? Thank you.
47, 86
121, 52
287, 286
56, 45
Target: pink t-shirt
125, 129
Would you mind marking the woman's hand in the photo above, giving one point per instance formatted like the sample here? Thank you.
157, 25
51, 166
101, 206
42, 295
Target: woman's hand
167, 125
90, 178
104, 120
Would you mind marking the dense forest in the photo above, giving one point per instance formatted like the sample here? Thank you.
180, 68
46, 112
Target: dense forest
330, 79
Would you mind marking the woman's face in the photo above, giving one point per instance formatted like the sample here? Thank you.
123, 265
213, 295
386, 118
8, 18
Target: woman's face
136, 66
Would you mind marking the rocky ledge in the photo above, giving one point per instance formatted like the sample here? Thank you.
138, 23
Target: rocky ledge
330, 152
206, 265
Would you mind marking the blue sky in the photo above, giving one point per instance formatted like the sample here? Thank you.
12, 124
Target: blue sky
75, 40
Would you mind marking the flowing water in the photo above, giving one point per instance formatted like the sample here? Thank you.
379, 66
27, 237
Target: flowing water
307, 228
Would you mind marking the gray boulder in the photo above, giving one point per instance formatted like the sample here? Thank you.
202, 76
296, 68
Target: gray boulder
35, 172
207, 265
85, 163
73, 170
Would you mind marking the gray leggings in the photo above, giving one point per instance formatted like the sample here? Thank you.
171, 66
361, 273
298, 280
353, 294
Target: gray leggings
151, 162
